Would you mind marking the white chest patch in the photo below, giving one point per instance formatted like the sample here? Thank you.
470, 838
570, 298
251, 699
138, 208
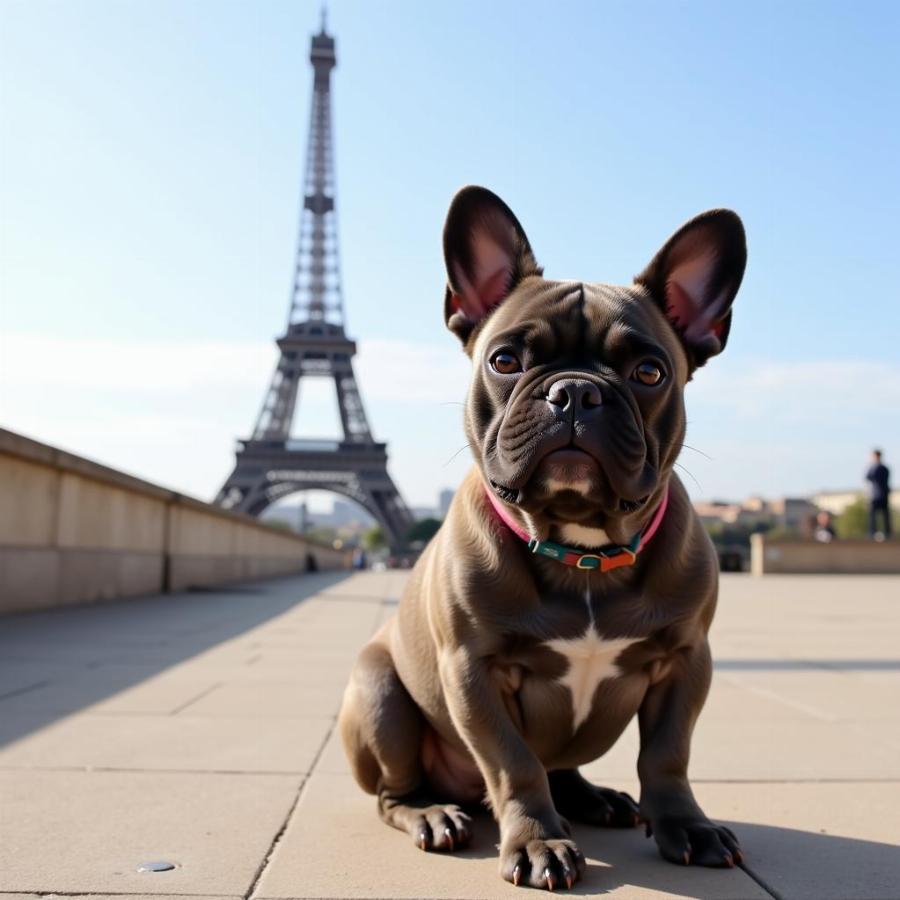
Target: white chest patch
591, 659
587, 537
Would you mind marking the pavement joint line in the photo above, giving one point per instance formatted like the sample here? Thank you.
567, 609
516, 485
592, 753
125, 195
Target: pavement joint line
125, 713
92, 663
17, 692
760, 881
835, 666
304, 774
793, 780
785, 701
290, 814
88, 770
110, 894
199, 696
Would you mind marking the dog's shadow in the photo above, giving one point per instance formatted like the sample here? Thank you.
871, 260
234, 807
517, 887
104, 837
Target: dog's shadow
781, 861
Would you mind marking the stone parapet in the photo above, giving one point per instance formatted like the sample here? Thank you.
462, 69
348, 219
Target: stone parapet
848, 557
73, 531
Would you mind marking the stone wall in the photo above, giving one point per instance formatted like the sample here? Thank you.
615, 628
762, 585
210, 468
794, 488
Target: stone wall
849, 557
72, 531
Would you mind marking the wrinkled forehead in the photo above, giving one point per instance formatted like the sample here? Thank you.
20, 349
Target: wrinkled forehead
566, 314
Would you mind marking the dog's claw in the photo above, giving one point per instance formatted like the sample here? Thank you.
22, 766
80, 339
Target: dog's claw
687, 857
422, 841
729, 860
569, 880
551, 881
449, 835
517, 875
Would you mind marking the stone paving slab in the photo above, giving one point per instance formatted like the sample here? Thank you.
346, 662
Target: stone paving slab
781, 749
816, 841
157, 695
84, 832
25, 674
379, 585
8, 896
829, 695
177, 743
337, 847
119, 723
270, 699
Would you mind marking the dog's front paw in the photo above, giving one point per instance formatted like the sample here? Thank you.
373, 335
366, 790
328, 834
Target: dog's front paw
446, 828
694, 840
576, 798
542, 863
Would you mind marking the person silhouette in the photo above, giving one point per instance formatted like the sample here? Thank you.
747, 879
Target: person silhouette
824, 530
878, 476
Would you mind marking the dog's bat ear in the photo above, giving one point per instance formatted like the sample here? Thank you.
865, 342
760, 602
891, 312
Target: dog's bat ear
695, 277
486, 253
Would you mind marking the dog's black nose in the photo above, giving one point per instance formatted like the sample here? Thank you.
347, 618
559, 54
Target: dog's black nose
577, 392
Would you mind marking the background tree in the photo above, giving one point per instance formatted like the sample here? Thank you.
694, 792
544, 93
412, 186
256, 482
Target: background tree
374, 539
423, 531
853, 522
280, 524
322, 534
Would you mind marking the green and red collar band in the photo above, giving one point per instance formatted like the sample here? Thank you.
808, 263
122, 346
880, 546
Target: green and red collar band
607, 558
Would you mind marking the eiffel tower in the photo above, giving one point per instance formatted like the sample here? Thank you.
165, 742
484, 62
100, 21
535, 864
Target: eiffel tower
271, 464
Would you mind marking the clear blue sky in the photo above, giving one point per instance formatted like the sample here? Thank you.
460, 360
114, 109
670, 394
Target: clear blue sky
150, 163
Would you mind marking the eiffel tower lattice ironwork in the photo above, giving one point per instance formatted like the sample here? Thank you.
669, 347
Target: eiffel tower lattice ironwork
271, 465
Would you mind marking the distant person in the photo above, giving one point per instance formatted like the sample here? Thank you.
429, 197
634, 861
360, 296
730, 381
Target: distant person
879, 476
824, 532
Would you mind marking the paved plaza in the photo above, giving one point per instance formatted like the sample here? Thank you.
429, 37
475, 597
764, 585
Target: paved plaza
198, 730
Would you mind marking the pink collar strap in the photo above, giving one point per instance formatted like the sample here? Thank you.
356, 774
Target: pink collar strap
612, 556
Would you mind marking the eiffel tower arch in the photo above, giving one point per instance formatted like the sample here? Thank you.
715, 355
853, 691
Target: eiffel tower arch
272, 464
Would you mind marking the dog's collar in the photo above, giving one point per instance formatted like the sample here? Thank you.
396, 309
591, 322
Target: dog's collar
607, 558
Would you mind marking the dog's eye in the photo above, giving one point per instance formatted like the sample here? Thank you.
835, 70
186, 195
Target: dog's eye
505, 363
648, 373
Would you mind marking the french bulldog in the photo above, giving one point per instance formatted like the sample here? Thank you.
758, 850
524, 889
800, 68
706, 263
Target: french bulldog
571, 585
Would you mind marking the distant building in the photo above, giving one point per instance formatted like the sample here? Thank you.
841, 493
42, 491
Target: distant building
789, 513
793, 513
836, 502
717, 512
346, 518
756, 511
444, 499
345, 513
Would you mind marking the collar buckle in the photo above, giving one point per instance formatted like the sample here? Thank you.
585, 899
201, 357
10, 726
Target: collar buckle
624, 556
606, 561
